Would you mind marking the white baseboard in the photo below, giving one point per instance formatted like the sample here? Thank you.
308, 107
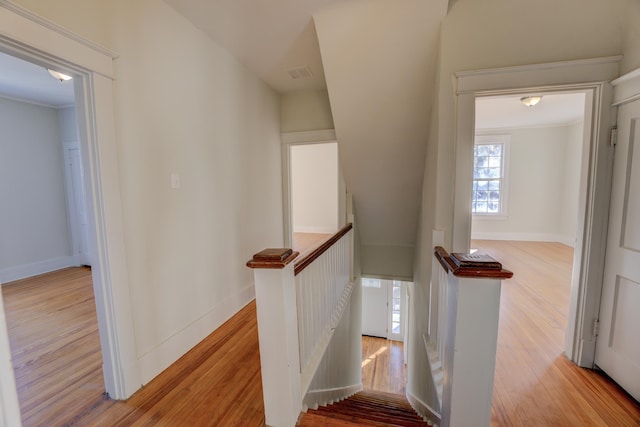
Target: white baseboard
425, 411
10, 274
315, 398
158, 359
526, 237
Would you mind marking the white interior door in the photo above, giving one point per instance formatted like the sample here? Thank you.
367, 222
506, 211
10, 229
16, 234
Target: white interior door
618, 344
374, 307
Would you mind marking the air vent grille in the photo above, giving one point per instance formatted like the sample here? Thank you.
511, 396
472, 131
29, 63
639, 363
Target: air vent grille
297, 73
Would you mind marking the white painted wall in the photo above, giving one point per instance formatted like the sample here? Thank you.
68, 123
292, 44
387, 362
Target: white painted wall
33, 216
305, 110
187, 247
184, 105
68, 124
543, 185
314, 188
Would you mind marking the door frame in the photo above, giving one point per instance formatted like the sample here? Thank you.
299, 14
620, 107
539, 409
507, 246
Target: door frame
30, 37
288, 140
592, 76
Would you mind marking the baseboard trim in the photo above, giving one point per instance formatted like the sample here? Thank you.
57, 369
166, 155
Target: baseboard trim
425, 411
324, 397
162, 356
11, 274
527, 237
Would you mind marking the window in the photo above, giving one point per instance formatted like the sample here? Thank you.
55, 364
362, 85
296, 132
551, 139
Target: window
489, 193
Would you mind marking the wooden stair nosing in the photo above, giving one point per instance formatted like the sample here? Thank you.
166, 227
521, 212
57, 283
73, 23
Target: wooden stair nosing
388, 419
390, 411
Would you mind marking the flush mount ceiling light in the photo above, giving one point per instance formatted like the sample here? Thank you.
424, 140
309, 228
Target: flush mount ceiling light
58, 75
530, 101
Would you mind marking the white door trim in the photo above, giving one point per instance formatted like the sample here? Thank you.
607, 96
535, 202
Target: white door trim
592, 76
289, 139
27, 36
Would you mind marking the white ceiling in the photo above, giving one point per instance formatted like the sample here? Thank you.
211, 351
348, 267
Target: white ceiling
509, 112
29, 82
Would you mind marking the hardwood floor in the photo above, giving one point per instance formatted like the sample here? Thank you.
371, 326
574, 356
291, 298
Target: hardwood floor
383, 367
53, 334
57, 360
535, 384
218, 382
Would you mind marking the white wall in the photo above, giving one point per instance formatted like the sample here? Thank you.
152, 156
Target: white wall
184, 105
314, 188
33, 213
305, 110
543, 185
68, 124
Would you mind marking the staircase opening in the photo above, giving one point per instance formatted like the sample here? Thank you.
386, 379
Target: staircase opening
384, 327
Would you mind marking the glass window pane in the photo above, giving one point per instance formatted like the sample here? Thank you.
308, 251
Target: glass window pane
487, 175
396, 292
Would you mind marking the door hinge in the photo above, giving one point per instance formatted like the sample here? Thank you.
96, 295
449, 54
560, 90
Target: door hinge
613, 136
596, 327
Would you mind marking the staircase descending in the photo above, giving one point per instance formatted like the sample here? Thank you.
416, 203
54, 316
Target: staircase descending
366, 408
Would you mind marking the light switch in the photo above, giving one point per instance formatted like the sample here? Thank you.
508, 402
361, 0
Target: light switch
175, 181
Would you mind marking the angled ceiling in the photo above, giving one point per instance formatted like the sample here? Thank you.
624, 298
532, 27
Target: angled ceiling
380, 61
270, 37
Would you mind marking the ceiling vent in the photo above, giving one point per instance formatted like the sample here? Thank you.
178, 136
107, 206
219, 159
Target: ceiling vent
303, 72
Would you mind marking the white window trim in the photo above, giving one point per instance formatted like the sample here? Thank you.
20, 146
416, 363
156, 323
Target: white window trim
504, 139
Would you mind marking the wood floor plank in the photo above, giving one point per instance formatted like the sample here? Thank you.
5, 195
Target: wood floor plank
218, 383
383, 367
535, 384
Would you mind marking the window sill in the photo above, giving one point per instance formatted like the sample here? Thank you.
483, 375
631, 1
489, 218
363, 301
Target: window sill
479, 217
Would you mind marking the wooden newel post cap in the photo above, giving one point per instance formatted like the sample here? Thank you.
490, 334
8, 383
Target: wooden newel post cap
272, 258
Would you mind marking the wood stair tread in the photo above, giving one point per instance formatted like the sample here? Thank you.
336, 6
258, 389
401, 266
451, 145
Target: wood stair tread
370, 408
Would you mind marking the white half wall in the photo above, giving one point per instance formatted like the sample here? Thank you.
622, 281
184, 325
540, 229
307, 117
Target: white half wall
314, 188
33, 212
544, 180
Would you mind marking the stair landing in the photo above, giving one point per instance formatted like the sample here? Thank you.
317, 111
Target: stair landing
368, 407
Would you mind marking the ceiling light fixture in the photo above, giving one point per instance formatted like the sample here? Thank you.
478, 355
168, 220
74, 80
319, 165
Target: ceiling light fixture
530, 101
58, 75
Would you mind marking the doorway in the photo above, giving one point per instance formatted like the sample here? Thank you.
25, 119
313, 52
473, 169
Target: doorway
528, 171
30, 38
590, 76
314, 192
47, 230
384, 308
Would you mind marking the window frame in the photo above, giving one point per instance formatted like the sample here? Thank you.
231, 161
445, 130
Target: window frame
505, 140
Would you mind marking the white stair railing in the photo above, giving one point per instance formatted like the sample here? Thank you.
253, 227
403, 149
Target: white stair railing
299, 308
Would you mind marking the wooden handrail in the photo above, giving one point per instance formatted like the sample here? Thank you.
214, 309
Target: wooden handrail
315, 254
476, 271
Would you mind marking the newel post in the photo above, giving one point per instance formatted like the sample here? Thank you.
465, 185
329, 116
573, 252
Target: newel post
471, 336
278, 334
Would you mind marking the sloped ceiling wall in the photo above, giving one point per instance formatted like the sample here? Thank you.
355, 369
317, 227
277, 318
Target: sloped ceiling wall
379, 61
